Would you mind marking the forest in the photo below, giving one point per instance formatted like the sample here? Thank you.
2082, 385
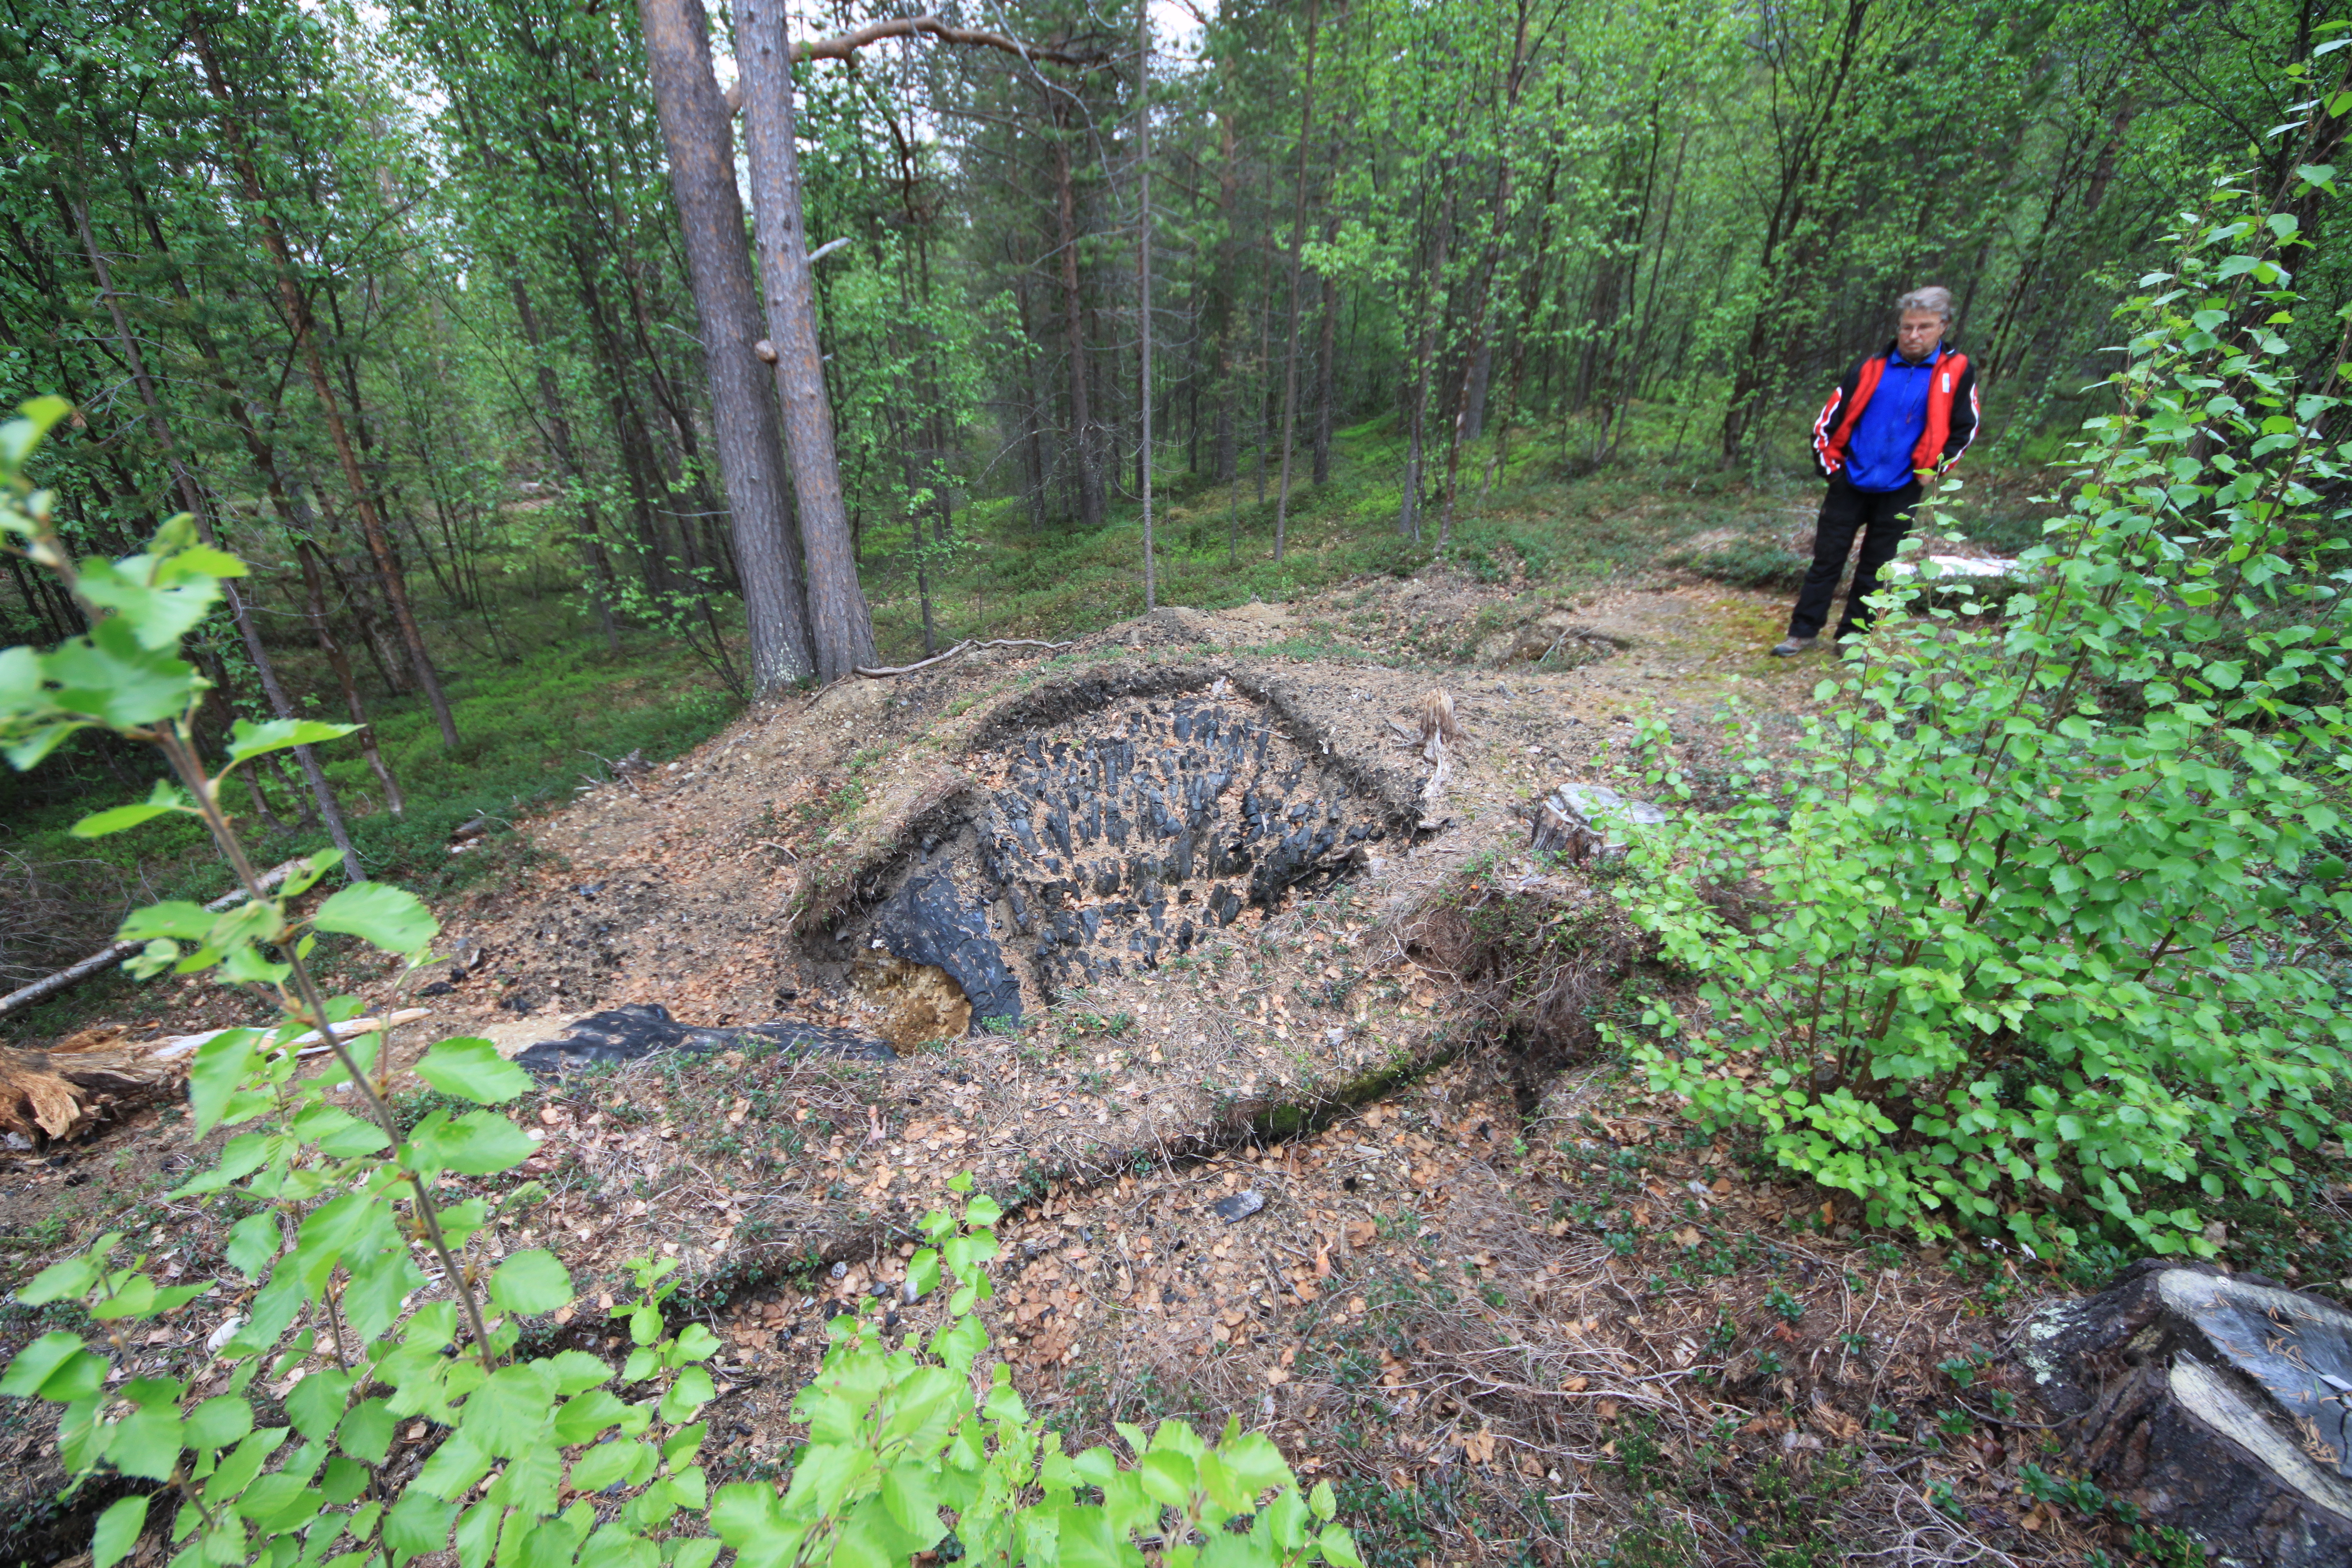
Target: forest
1066, 720
528, 352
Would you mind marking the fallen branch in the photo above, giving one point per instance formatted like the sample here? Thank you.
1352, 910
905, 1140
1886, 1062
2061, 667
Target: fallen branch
25, 996
303, 1045
967, 645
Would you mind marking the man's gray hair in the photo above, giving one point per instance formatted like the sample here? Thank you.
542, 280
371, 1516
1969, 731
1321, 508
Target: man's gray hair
1934, 297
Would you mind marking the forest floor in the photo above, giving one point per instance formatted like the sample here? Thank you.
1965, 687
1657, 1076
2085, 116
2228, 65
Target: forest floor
1513, 1305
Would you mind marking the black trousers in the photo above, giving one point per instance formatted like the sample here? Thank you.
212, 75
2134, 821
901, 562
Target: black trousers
1882, 518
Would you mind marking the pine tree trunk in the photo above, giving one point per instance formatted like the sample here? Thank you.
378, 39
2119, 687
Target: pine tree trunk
1298, 262
841, 625
1082, 441
1325, 373
1143, 278
701, 148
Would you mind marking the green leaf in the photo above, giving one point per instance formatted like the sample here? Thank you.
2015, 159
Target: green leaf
158, 612
473, 1069
696, 1343
418, 1523
344, 1481
177, 917
911, 1495
118, 1532
68, 1276
586, 1417
315, 1405
109, 677
54, 1367
222, 1420
576, 1370
219, 1068
746, 1516
691, 1393
1340, 1547
20, 436
247, 740
454, 1466
337, 1133
390, 918
509, 1413
365, 1432
530, 1283
164, 798
146, 1443
307, 873
479, 1143
1321, 1502
607, 1463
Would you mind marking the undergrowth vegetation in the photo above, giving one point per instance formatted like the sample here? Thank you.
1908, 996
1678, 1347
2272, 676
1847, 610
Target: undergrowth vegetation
343, 1209
2041, 929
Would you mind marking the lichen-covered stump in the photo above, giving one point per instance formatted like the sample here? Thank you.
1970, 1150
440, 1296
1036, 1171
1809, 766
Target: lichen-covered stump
2217, 1404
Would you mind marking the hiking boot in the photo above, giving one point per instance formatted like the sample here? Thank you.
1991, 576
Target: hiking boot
1790, 648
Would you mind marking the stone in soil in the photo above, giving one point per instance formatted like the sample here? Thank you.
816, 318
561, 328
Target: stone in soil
1114, 842
639, 1029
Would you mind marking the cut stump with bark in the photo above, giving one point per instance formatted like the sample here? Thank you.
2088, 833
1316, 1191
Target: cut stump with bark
66, 1090
2220, 1405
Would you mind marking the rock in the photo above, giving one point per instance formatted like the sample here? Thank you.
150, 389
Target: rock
2221, 1405
927, 922
640, 1028
1239, 1206
1584, 822
1111, 843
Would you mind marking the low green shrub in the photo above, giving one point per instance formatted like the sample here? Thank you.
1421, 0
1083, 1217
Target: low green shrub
1994, 949
342, 1203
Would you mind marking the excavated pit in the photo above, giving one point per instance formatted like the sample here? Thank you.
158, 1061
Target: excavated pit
1099, 844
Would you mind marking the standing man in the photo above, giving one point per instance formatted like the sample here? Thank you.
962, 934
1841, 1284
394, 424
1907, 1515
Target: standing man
1907, 412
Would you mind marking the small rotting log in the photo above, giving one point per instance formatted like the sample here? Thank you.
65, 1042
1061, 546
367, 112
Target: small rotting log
2220, 1405
65, 1090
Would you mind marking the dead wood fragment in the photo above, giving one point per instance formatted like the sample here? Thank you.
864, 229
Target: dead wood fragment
64, 1091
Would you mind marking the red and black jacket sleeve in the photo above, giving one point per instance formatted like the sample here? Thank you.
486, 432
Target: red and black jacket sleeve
1834, 424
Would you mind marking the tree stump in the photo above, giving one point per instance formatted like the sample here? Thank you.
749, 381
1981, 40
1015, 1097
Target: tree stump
66, 1090
2221, 1404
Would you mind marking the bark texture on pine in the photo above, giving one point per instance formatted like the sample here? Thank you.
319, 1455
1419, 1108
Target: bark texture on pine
702, 146
1082, 443
838, 617
1297, 259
